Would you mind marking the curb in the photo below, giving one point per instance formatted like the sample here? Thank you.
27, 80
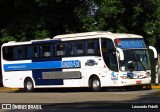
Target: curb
155, 87
8, 89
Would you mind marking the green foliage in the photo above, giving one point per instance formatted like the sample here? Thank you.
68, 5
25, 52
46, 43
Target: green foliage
42, 34
124, 16
23, 20
152, 41
6, 37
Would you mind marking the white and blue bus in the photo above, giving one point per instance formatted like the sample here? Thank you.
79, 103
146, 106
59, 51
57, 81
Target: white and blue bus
91, 59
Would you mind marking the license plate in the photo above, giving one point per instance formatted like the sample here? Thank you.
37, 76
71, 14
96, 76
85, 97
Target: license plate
138, 82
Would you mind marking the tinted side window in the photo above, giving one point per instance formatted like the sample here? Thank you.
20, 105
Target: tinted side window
8, 53
33, 51
70, 49
61, 49
109, 55
46, 50
19, 53
80, 48
89, 47
76, 48
92, 47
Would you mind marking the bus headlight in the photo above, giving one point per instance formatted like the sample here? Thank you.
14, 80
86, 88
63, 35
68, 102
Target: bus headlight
148, 74
123, 77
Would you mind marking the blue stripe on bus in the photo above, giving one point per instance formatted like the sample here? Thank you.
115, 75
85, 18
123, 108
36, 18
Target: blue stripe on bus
37, 73
37, 76
42, 65
45, 41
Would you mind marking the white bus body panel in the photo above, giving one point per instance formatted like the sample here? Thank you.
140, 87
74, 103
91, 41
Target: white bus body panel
15, 79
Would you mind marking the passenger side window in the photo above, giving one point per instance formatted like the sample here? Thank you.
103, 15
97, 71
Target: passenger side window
61, 49
70, 48
46, 51
90, 47
19, 53
80, 48
33, 51
76, 48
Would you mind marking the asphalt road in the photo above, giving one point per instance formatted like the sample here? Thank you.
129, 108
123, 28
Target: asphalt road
83, 99
80, 96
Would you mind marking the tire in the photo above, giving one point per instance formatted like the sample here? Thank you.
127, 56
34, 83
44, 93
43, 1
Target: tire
95, 84
28, 85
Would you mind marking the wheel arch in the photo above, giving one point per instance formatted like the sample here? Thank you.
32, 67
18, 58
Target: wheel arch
91, 77
29, 85
28, 77
95, 83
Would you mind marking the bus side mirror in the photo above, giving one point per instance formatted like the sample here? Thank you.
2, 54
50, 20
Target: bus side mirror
121, 54
154, 51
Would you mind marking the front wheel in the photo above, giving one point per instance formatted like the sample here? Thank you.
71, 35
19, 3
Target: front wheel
28, 85
95, 84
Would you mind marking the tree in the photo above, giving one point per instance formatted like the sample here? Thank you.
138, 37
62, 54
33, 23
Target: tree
19, 19
36, 19
124, 16
23, 20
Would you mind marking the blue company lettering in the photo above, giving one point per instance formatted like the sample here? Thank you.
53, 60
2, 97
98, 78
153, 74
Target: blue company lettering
14, 67
70, 64
42, 65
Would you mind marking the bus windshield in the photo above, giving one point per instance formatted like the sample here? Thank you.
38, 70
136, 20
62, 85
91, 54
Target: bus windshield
136, 60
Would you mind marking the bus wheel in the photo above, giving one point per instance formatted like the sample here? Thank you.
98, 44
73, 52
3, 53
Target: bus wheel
95, 84
28, 85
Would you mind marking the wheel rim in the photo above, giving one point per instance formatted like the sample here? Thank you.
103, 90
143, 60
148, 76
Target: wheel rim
29, 85
96, 84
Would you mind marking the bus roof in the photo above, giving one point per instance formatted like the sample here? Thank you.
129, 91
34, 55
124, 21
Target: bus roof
95, 35
78, 36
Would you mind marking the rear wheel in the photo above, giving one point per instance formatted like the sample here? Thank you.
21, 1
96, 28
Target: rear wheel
28, 85
95, 84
